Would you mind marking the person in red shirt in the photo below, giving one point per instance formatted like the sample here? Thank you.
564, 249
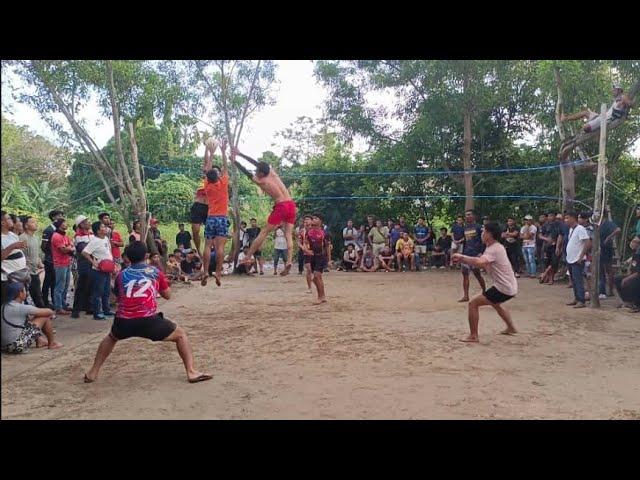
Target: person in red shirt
316, 246
216, 230
138, 315
116, 243
62, 253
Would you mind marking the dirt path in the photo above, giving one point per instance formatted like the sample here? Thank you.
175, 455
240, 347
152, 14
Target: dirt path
385, 347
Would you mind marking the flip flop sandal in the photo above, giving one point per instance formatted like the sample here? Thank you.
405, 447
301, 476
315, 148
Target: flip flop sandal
201, 378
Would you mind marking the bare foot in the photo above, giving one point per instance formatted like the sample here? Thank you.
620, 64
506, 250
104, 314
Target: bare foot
287, 269
41, 342
198, 377
310, 291
88, 379
509, 331
470, 339
463, 299
204, 280
320, 300
55, 345
217, 279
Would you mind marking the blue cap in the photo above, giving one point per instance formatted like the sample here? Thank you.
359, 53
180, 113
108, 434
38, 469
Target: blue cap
13, 289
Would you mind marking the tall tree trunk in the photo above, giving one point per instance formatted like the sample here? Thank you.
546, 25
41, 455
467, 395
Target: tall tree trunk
141, 203
567, 171
466, 157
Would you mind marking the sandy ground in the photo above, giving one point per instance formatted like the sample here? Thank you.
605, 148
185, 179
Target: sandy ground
385, 347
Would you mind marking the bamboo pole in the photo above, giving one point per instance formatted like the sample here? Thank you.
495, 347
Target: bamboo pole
598, 204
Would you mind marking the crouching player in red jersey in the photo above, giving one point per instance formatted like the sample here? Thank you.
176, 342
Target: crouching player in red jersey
138, 315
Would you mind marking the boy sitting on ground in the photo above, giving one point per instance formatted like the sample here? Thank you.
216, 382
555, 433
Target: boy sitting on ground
243, 266
190, 267
386, 259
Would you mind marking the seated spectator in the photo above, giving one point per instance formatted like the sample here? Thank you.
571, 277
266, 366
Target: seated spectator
156, 261
369, 262
443, 246
350, 258
23, 325
173, 272
245, 268
386, 259
438, 257
190, 268
628, 287
404, 252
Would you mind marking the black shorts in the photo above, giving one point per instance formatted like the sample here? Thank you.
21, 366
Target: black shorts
199, 213
308, 258
318, 263
154, 328
552, 259
495, 296
606, 256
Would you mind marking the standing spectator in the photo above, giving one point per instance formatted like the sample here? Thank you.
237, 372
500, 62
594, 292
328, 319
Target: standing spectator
244, 238
378, 236
62, 252
252, 234
350, 258
528, 234
98, 252
105, 219
421, 233
48, 285
349, 234
404, 228
389, 224
279, 248
370, 225
302, 231
136, 236
510, 237
540, 256
457, 230
472, 248
18, 228
34, 263
161, 247
608, 232
82, 296
361, 242
22, 325
562, 241
386, 259
14, 261
584, 220
577, 247
116, 244
443, 248
394, 235
404, 252
183, 238
550, 234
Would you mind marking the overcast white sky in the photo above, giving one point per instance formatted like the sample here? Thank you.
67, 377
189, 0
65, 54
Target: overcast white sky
298, 94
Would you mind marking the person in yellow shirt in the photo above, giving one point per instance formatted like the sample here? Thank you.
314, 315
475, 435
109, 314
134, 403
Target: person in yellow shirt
404, 252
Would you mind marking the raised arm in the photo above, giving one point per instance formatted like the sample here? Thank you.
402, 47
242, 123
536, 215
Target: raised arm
223, 150
207, 162
235, 151
241, 168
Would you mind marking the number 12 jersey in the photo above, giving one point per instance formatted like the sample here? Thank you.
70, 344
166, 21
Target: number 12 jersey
136, 288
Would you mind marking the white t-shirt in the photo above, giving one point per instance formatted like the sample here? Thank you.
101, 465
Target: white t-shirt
500, 270
12, 265
99, 248
350, 231
531, 242
577, 237
280, 242
242, 256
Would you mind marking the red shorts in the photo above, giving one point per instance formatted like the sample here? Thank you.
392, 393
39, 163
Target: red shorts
283, 212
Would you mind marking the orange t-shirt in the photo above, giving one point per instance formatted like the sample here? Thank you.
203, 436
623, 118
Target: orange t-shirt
218, 196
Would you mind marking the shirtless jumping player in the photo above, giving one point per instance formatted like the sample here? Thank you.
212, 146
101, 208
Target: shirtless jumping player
284, 208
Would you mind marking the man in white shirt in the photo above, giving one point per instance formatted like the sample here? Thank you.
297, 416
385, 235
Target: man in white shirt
13, 258
577, 247
349, 235
97, 250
